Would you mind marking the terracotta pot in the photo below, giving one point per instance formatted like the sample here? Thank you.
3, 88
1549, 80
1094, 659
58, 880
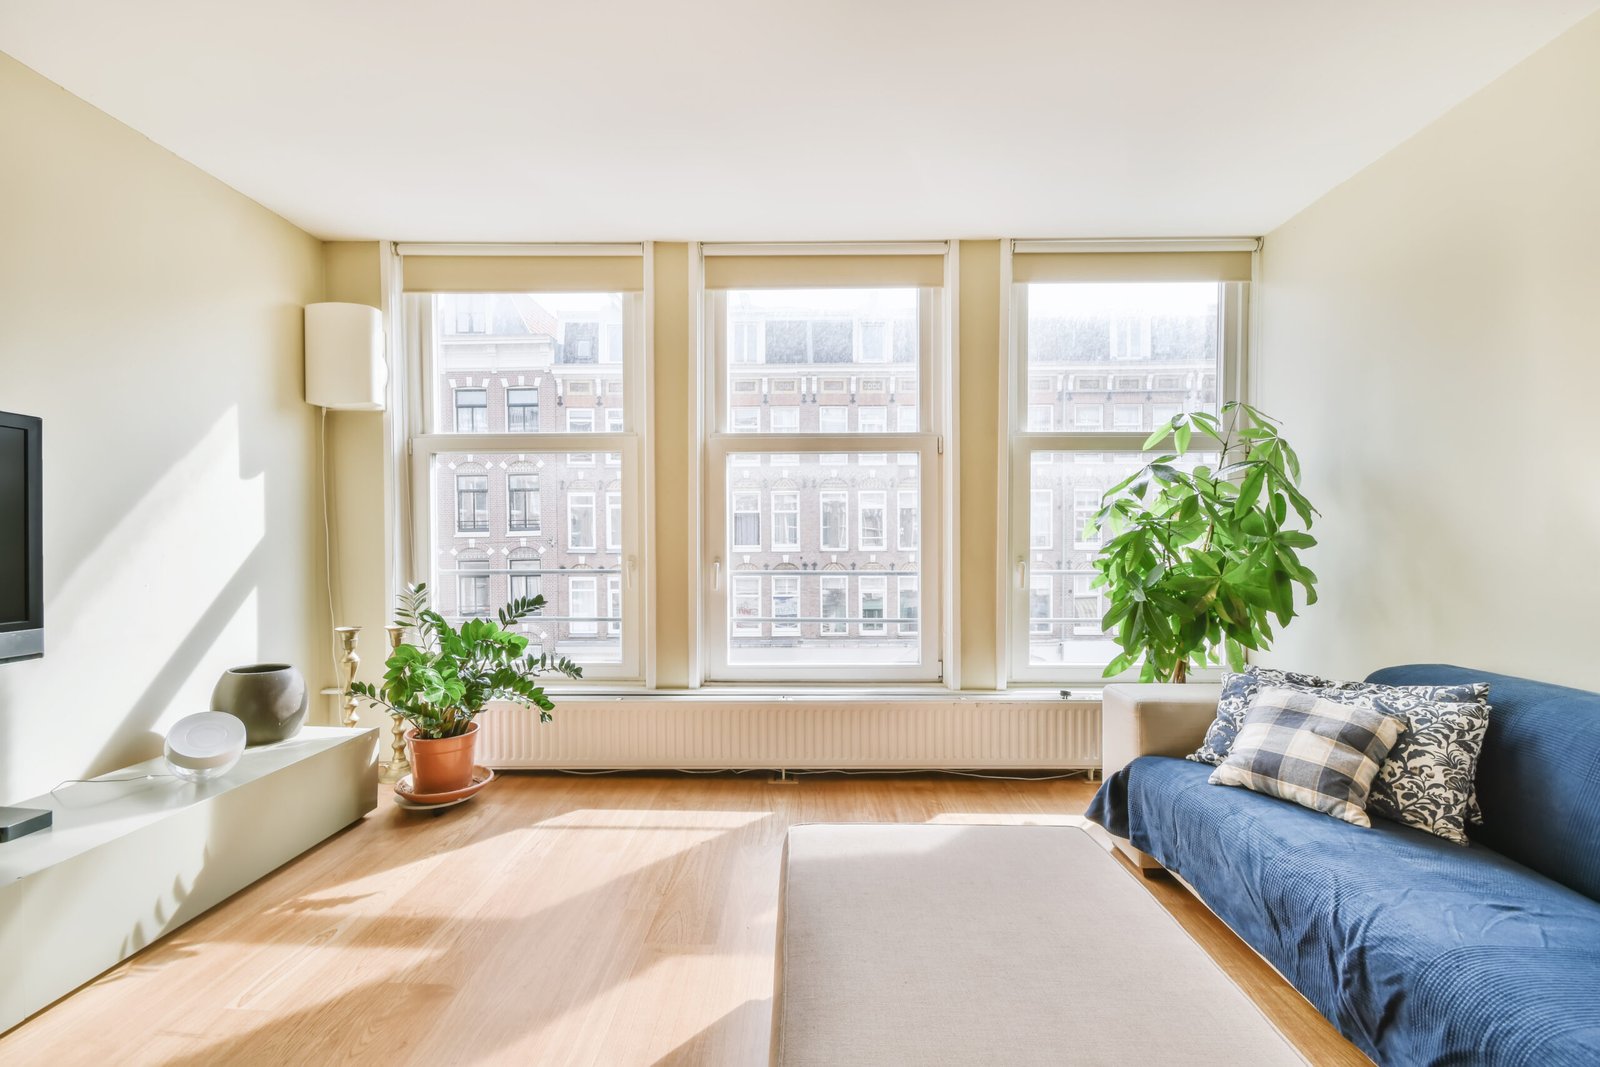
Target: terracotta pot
442, 764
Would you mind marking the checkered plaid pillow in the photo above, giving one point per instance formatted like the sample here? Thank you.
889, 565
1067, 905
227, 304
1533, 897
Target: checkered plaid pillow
1318, 753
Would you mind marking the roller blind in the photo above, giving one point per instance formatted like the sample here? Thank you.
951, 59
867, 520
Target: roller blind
523, 274
1130, 266
864, 271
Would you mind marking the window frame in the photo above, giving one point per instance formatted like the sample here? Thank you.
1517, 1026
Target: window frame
427, 444
720, 445
1017, 623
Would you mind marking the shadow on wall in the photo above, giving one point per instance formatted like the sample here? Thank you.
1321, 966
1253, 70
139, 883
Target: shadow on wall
186, 542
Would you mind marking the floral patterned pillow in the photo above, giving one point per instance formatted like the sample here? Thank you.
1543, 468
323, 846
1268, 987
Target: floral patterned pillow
1426, 780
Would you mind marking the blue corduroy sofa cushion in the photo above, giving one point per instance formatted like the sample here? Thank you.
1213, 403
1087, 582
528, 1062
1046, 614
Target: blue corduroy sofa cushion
1538, 777
1420, 951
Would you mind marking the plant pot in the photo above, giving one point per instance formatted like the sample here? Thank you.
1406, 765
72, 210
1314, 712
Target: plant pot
269, 698
442, 764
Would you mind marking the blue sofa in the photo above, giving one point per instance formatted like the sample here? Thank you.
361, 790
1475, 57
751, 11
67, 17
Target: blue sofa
1421, 952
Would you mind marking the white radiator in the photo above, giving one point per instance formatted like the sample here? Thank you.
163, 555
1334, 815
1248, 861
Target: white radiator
627, 733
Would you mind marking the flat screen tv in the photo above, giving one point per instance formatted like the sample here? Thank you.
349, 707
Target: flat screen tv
21, 537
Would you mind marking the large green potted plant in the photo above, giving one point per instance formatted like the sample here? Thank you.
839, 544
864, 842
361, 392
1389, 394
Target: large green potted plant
1200, 559
443, 682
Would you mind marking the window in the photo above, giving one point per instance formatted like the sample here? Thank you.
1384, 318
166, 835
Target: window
785, 605
582, 607
785, 520
870, 509
835, 520
835, 588
1090, 334
746, 420
525, 576
908, 513
1041, 514
846, 526
747, 521
1041, 418
472, 587
472, 503
907, 588
872, 595
522, 410
580, 522
522, 492
613, 522
472, 411
554, 516
746, 606
1041, 605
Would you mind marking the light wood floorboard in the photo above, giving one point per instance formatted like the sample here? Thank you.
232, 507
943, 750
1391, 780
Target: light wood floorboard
554, 920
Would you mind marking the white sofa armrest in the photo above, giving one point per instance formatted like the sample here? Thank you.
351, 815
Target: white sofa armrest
1153, 719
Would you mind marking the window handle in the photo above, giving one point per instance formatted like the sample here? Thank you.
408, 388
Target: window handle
716, 574
633, 567
1022, 572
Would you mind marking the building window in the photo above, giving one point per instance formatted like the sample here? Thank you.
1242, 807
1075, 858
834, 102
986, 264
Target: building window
613, 522
908, 520
747, 607
870, 508
583, 608
1041, 418
550, 358
472, 587
580, 522
472, 503
835, 520
835, 592
872, 603
785, 605
785, 520
845, 533
472, 411
522, 493
1160, 335
747, 522
522, 410
525, 577
907, 588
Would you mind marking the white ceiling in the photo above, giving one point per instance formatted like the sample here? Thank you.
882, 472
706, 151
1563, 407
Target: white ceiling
518, 120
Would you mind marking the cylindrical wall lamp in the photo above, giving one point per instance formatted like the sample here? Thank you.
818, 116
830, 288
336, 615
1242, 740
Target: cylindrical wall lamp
345, 368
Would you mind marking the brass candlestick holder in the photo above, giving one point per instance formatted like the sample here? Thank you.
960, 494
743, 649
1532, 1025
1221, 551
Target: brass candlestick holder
350, 662
398, 766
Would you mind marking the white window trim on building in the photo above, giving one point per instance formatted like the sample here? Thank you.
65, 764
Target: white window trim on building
720, 445
1015, 520
631, 443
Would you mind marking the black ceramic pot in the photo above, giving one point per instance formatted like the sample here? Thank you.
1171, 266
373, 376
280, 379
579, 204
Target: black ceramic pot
269, 698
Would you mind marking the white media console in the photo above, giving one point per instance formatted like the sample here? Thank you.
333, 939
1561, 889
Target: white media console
128, 862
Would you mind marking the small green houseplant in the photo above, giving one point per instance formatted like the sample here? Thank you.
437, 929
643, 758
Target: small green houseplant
1199, 560
443, 682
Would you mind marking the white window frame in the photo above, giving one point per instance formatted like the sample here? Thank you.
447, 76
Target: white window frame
926, 442
747, 587
585, 498
899, 528
790, 581
1232, 342
426, 445
824, 498
590, 627
879, 585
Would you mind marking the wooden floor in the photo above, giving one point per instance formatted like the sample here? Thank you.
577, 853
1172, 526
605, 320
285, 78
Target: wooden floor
554, 920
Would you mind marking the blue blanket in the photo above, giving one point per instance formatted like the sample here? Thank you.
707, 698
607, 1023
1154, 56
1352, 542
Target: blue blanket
1420, 951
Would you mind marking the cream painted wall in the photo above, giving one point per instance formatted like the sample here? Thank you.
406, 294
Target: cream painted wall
152, 316
978, 399
355, 488
1431, 336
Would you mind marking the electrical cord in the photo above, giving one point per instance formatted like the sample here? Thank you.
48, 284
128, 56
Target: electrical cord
105, 781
